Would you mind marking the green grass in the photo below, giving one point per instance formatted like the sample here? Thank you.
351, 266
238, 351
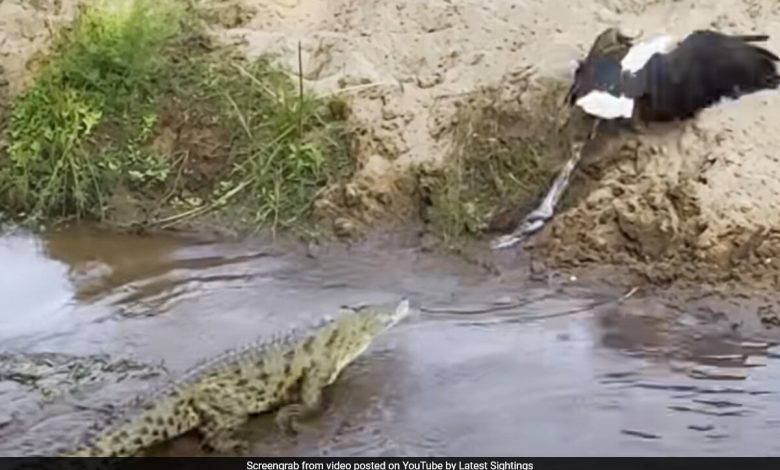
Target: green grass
286, 146
134, 99
503, 160
100, 66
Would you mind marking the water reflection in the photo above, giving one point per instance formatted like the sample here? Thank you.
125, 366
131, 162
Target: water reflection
491, 366
35, 290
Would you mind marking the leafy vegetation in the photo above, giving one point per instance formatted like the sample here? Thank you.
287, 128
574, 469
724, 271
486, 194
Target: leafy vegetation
134, 99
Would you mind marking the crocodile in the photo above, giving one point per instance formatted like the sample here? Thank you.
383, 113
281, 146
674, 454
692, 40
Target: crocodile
285, 374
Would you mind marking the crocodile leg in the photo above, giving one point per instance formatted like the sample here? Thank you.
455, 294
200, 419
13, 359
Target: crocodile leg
288, 417
219, 432
221, 418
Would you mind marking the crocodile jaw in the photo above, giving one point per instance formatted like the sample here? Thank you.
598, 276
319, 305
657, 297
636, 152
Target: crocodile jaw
364, 333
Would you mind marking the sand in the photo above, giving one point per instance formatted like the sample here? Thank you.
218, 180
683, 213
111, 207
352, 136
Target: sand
693, 201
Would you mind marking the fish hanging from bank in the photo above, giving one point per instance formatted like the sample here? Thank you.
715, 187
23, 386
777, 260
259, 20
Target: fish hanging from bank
661, 79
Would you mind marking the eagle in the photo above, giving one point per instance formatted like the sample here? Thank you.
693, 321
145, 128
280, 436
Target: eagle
661, 79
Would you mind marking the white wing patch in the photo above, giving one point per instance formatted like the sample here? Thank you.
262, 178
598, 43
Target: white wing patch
605, 106
638, 55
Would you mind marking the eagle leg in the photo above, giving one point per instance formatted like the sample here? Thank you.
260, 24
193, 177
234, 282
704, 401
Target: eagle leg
594, 129
635, 123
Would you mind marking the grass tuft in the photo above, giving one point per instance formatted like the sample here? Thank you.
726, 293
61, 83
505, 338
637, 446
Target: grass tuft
503, 159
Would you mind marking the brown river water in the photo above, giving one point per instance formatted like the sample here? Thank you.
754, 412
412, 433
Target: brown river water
491, 364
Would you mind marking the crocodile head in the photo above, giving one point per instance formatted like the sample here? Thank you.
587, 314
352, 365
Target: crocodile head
353, 333
384, 317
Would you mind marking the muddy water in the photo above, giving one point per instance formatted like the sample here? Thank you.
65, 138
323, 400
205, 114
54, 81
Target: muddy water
492, 365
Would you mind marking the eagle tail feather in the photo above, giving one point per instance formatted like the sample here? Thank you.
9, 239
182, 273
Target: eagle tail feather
752, 37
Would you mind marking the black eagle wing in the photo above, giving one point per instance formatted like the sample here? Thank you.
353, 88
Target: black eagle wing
703, 69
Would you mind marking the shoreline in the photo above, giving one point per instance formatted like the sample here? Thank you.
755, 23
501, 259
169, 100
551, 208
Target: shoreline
685, 205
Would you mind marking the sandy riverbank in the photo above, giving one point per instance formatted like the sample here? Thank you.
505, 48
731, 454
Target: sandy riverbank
694, 202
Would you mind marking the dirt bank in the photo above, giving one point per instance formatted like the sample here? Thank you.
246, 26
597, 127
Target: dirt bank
669, 206
695, 202
406, 67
